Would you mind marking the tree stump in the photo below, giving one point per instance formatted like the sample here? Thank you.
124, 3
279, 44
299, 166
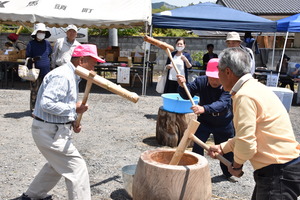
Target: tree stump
170, 127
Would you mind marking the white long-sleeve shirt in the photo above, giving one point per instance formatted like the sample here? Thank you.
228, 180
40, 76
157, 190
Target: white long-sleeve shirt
57, 96
62, 51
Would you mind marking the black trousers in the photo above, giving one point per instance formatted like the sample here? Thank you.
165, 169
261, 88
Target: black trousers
278, 181
220, 135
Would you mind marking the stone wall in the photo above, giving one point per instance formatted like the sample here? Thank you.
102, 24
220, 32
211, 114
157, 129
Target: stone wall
193, 45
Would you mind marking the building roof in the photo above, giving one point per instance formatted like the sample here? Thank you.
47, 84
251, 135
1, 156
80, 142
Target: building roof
264, 7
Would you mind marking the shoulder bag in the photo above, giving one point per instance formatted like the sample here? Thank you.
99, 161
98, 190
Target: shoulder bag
161, 82
28, 74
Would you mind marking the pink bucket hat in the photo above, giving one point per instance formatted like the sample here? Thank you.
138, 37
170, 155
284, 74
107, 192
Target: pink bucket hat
212, 68
87, 50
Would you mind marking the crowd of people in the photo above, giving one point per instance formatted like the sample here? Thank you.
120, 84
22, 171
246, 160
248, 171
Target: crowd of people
247, 120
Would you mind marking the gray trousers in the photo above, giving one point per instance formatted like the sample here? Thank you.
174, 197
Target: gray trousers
54, 142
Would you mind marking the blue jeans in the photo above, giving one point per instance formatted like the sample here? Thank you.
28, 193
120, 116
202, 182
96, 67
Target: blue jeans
278, 181
220, 135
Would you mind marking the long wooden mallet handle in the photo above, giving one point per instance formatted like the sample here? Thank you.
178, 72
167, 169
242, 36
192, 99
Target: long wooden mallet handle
106, 84
87, 90
177, 71
184, 142
160, 44
219, 156
168, 48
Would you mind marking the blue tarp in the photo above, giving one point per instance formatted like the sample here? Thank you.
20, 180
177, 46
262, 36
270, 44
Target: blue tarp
209, 16
290, 24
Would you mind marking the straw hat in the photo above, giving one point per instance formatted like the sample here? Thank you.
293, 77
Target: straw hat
233, 36
40, 27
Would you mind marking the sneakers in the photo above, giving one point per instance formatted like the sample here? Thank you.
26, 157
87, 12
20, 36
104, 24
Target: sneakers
26, 197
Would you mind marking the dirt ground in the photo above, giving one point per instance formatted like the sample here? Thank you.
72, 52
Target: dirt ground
115, 132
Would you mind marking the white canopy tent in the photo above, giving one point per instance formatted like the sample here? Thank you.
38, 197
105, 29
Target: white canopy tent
87, 13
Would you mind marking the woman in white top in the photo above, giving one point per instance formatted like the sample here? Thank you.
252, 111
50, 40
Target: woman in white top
183, 62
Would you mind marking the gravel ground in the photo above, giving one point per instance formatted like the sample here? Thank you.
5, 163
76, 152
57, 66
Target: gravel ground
115, 132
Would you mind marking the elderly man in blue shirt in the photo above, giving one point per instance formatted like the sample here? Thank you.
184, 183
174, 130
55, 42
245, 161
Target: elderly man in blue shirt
55, 111
214, 110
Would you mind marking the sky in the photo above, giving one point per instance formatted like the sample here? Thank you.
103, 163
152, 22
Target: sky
183, 2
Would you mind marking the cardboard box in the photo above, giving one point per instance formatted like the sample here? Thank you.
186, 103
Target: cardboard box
152, 56
122, 59
12, 52
22, 54
138, 59
115, 51
101, 52
110, 57
12, 57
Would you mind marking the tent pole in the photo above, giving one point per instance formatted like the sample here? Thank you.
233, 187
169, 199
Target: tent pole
148, 50
280, 65
273, 53
145, 65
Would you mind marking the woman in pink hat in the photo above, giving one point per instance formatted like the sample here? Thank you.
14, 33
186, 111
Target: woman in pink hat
214, 110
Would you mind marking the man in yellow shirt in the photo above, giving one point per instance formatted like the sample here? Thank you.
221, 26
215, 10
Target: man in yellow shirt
264, 134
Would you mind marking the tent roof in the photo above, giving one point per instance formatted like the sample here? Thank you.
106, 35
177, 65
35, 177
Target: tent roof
87, 13
291, 24
209, 16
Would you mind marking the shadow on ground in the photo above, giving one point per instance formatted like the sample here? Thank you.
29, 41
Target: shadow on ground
154, 117
18, 115
294, 101
114, 178
217, 179
151, 141
120, 194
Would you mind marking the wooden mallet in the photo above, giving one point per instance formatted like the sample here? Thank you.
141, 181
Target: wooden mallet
168, 48
87, 90
93, 78
184, 142
186, 139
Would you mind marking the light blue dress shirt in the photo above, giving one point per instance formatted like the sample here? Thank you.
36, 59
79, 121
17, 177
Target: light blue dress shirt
57, 96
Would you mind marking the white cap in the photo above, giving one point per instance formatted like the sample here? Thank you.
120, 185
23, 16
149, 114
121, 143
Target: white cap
71, 26
233, 36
